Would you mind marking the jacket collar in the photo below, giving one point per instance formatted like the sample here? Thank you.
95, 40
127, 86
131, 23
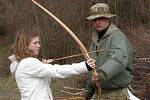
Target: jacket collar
110, 29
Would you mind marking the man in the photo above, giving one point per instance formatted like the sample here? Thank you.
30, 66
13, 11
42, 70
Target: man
114, 66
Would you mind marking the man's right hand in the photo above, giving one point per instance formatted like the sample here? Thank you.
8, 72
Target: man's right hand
96, 80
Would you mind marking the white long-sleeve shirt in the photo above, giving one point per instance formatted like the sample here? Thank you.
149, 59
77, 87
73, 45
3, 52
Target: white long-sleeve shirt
32, 77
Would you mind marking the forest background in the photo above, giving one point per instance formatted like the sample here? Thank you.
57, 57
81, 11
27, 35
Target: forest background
132, 16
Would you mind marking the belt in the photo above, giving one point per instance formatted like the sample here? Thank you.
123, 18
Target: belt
104, 91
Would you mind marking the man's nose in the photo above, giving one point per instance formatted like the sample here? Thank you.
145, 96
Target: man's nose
97, 21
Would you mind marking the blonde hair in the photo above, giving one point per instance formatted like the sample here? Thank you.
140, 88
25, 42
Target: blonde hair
20, 45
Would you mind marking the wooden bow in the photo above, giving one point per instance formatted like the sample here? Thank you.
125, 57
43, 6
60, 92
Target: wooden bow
82, 47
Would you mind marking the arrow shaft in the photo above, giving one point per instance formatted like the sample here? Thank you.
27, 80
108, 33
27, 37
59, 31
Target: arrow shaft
81, 54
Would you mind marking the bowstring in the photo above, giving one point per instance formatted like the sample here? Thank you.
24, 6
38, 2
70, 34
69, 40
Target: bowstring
38, 29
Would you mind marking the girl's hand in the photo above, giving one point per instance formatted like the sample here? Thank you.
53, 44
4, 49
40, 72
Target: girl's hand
47, 61
91, 63
44, 61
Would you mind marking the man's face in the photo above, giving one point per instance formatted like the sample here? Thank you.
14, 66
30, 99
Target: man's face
34, 45
101, 23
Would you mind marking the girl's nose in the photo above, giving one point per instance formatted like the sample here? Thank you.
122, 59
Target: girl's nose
38, 45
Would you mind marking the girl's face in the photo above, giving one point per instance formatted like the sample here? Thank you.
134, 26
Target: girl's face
34, 45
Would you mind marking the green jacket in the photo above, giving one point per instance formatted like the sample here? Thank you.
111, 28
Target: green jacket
114, 66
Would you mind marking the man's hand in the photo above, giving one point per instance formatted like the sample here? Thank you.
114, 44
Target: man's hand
96, 80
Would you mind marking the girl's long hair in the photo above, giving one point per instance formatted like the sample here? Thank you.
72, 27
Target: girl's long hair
20, 45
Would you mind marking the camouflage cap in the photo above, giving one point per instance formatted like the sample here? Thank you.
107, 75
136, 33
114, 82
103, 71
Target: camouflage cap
100, 10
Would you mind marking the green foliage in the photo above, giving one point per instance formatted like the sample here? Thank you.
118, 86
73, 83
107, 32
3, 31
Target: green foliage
2, 29
8, 89
3, 51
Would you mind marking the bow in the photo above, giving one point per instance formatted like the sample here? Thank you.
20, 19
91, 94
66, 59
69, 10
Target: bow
82, 47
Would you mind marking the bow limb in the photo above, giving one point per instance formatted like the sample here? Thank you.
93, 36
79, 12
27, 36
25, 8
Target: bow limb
64, 26
82, 47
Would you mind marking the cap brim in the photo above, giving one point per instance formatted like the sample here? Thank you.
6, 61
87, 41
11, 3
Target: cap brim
100, 15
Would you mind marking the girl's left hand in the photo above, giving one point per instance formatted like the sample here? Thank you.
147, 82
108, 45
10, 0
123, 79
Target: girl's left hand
91, 63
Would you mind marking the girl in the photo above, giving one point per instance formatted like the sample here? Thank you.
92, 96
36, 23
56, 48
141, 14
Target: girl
32, 75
